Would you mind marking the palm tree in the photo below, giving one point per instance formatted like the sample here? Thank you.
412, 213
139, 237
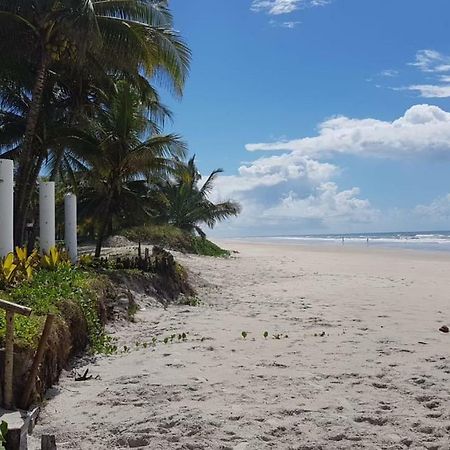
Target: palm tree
115, 157
186, 204
39, 38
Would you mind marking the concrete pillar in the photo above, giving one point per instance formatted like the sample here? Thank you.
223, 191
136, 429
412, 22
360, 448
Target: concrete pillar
6, 207
47, 215
70, 226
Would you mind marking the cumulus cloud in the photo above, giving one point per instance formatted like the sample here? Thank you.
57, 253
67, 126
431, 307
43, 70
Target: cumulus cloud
297, 190
278, 7
326, 204
424, 130
290, 190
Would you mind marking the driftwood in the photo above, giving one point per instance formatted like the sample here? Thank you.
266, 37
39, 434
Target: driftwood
85, 376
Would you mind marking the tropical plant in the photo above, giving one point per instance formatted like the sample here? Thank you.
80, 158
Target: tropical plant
18, 266
185, 201
59, 48
118, 152
54, 259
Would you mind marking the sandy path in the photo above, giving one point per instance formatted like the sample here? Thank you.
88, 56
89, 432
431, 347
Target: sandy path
379, 377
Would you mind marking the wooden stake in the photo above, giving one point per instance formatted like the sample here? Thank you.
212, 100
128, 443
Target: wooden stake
37, 361
48, 442
9, 360
11, 309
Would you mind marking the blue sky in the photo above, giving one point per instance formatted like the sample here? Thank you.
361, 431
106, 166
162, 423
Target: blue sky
327, 116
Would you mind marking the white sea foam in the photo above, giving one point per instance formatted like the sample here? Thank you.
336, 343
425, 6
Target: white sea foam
421, 240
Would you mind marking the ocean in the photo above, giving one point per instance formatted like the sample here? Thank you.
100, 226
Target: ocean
415, 240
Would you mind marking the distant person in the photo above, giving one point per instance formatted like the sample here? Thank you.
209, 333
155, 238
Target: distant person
342, 240
367, 240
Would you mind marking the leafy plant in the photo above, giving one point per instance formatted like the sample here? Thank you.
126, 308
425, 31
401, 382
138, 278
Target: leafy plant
3, 432
191, 301
54, 259
17, 267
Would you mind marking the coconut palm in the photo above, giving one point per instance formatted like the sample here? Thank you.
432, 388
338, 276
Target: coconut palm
40, 39
186, 202
115, 156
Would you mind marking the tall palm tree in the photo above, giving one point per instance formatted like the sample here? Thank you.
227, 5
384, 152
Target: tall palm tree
115, 157
186, 202
129, 38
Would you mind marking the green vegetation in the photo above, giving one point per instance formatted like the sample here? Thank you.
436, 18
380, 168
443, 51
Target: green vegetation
65, 291
3, 432
60, 62
173, 238
184, 201
78, 101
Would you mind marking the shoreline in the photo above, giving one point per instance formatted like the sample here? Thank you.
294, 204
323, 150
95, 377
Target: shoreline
331, 247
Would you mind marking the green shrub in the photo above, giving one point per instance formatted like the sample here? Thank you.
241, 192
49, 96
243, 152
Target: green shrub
53, 292
173, 238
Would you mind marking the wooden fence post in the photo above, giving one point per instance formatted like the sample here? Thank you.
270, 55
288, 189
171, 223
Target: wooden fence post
11, 309
37, 361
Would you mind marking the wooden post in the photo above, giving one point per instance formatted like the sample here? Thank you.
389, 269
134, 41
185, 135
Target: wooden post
37, 361
11, 309
48, 442
9, 359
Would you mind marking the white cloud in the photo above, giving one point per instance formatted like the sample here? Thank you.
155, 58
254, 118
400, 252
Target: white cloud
275, 171
436, 65
297, 191
390, 73
438, 209
326, 204
277, 7
287, 191
289, 25
431, 90
431, 61
423, 130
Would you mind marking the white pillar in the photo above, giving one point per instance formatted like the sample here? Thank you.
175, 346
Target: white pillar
70, 226
47, 215
6, 207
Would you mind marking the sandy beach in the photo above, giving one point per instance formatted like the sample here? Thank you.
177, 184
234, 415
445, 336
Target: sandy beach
353, 358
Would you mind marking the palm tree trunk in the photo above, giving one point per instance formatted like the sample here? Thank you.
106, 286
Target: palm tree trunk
26, 176
103, 228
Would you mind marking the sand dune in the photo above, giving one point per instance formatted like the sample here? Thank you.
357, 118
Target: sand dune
354, 359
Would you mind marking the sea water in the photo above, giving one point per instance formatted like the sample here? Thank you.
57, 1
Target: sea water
420, 240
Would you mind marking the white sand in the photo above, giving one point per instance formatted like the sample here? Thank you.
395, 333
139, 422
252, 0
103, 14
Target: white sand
378, 378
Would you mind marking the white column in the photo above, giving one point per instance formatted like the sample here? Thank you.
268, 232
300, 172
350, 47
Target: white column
6, 207
70, 226
47, 215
